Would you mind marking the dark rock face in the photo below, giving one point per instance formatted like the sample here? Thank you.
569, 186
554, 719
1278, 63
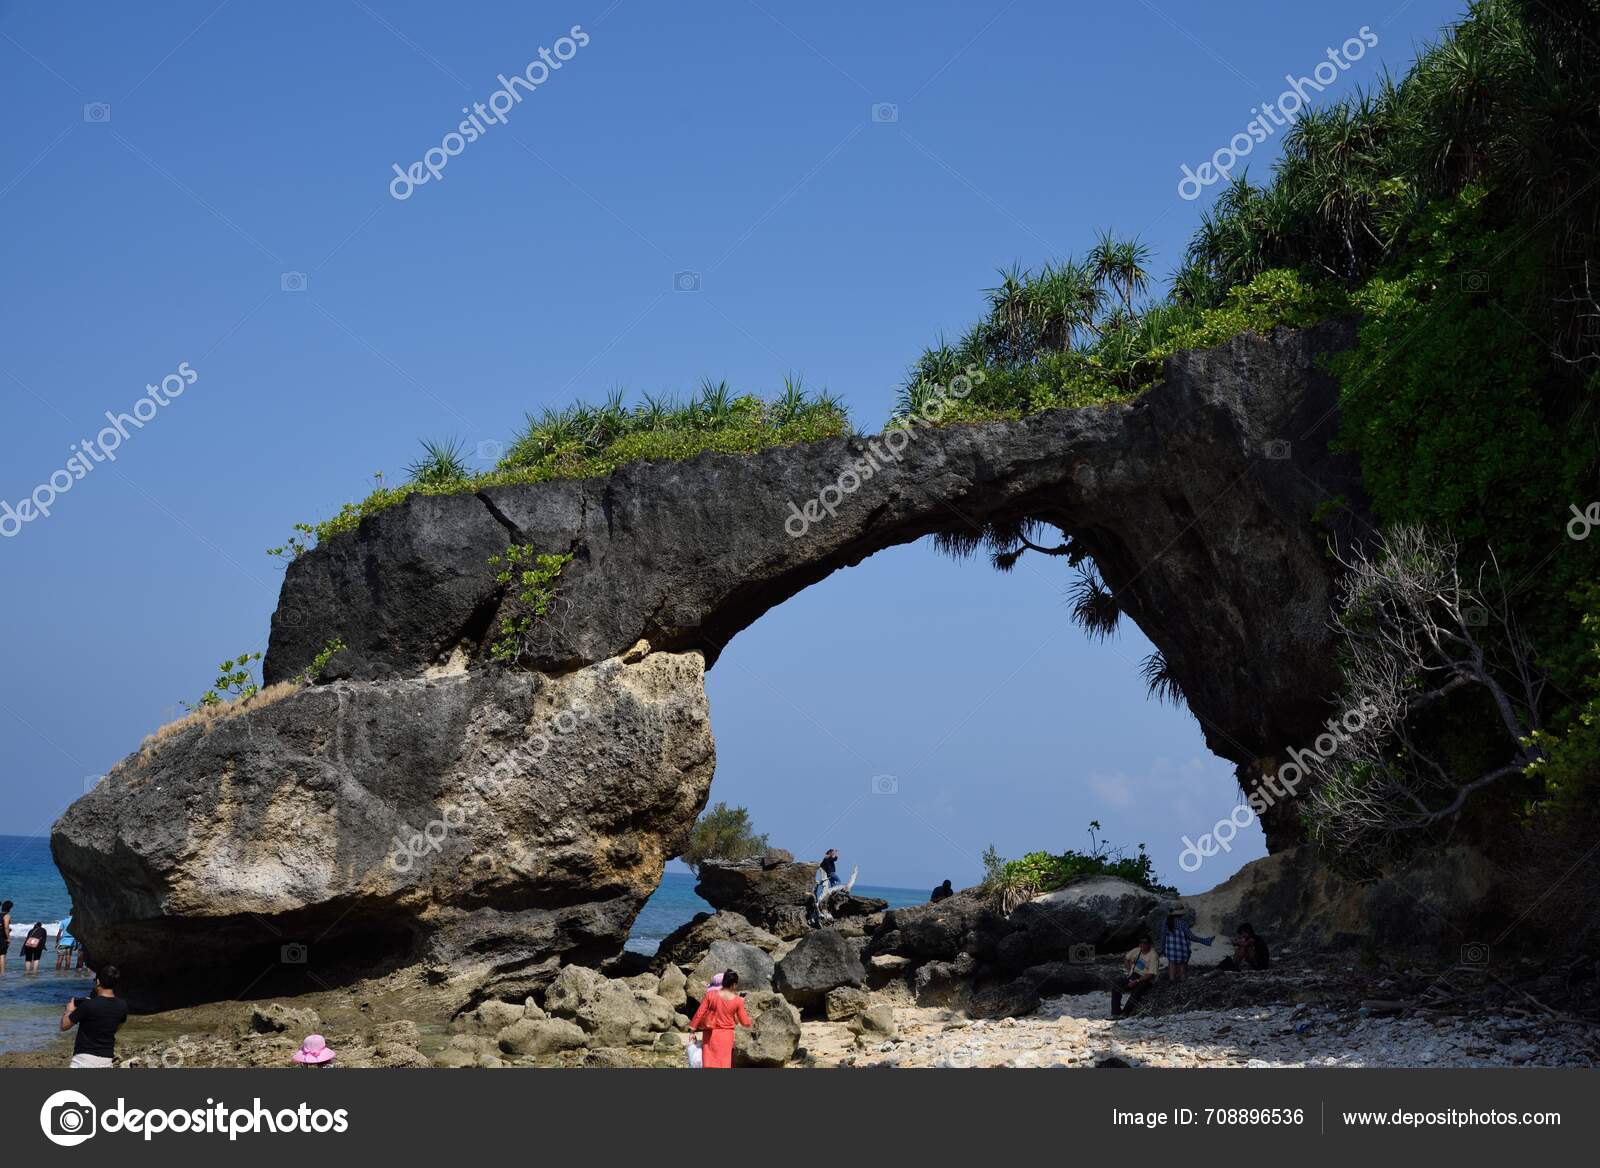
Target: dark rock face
490, 824
767, 896
822, 961
690, 942
1196, 502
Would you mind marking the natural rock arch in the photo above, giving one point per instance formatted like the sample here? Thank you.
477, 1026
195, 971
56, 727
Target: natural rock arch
1196, 503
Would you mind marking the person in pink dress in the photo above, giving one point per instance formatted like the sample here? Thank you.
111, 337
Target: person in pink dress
721, 1010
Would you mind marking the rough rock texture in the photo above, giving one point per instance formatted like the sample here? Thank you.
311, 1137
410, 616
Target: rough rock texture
1439, 904
771, 1041
688, 943
752, 965
769, 896
609, 1012
823, 960
1196, 501
487, 824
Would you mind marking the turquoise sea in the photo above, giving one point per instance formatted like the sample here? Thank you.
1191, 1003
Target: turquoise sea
29, 1006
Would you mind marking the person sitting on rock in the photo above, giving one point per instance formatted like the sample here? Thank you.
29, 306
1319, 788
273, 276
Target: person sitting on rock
1139, 970
943, 892
1175, 944
714, 1022
1249, 951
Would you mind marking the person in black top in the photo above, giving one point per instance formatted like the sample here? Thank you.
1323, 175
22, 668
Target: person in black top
97, 1018
1249, 951
940, 893
33, 947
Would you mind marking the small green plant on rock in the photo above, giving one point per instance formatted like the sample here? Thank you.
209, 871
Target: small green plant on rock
320, 662
235, 679
534, 576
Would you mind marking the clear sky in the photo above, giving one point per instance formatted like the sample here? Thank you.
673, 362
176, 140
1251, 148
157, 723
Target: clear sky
209, 184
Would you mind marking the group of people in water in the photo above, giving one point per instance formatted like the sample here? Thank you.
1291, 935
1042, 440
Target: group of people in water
35, 943
1142, 966
96, 1017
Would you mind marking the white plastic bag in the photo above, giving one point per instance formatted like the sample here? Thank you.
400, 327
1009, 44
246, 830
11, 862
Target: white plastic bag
696, 1055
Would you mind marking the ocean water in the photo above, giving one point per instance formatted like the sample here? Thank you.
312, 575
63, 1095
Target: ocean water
30, 1006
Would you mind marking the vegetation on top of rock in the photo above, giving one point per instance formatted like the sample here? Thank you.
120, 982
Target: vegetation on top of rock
587, 441
1011, 882
723, 833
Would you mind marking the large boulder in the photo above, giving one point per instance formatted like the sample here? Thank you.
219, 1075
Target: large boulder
754, 967
1087, 915
823, 960
609, 1012
771, 896
772, 1040
938, 931
488, 824
532, 1038
688, 943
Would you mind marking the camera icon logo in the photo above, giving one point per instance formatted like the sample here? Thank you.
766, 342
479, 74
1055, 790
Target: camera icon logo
490, 450
292, 282
68, 1118
1278, 449
686, 282
294, 953
885, 112
90, 782
885, 785
1474, 281
1476, 618
97, 112
1081, 953
1475, 954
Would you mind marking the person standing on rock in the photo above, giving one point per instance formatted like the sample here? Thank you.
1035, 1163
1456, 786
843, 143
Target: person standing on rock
714, 1022
97, 1018
943, 892
1176, 939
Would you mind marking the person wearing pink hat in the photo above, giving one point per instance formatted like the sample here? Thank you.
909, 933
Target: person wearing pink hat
314, 1052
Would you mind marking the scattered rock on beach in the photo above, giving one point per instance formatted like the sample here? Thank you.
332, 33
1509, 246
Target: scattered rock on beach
276, 1018
844, 1003
528, 1037
772, 1040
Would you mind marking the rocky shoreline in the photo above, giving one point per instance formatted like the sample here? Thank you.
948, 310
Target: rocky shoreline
954, 984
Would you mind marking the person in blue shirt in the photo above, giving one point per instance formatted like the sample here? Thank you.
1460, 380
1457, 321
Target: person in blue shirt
67, 946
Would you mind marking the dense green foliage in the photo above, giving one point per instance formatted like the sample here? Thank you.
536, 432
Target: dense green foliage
723, 833
1014, 881
586, 441
1457, 209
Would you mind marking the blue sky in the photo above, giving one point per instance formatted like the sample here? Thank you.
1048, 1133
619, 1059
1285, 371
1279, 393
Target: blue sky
207, 184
